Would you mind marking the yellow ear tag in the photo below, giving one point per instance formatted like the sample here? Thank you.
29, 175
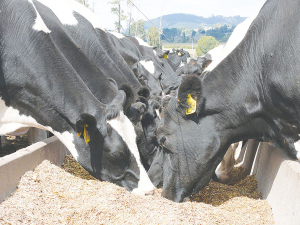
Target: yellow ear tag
179, 53
166, 56
86, 134
192, 105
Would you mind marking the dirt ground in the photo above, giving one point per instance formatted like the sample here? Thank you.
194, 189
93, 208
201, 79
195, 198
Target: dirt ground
13, 144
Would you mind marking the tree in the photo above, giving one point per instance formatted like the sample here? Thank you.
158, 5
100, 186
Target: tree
119, 12
206, 43
220, 32
152, 36
193, 34
180, 29
86, 4
130, 19
170, 33
183, 38
137, 29
201, 30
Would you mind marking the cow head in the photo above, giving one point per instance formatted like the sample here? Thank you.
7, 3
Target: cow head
189, 145
110, 150
196, 129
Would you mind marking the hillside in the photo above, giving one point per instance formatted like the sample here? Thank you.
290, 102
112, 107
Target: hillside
192, 21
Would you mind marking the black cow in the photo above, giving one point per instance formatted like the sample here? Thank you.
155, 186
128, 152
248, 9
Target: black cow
54, 70
253, 93
178, 56
192, 67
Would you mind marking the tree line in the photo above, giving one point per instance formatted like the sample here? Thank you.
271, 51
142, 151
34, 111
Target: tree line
221, 33
209, 38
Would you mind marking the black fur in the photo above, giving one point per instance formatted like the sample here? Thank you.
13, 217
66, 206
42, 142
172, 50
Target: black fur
190, 85
144, 91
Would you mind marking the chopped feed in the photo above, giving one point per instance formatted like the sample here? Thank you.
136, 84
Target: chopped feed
51, 195
216, 193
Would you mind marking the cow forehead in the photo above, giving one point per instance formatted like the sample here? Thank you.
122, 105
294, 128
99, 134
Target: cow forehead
64, 10
126, 130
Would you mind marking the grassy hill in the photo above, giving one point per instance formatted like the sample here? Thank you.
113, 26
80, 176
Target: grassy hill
192, 21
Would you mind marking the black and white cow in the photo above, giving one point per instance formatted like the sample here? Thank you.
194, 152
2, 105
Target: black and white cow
158, 67
252, 93
56, 61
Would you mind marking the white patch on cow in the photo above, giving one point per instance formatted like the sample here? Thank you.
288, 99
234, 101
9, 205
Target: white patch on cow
297, 147
141, 42
149, 66
215, 53
126, 130
182, 64
158, 113
118, 35
235, 38
39, 23
11, 120
67, 139
64, 9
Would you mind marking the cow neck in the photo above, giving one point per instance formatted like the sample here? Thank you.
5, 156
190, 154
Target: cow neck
239, 88
234, 91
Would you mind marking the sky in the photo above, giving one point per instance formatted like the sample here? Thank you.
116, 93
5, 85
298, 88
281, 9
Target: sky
155, 8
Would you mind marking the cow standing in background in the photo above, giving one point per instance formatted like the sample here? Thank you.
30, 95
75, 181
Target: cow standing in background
252, 93
224, 171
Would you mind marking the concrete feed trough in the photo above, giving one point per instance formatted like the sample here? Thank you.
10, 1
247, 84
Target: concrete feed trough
278, 177
14, 166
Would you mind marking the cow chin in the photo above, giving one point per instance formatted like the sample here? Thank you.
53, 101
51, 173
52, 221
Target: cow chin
206, 177
174, 190
183, 176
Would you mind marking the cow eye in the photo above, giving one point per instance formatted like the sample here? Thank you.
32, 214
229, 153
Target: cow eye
162, 140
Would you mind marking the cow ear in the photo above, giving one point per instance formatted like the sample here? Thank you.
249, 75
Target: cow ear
129, 96
144, 92
144, 101
166, 54
123, 100
190, 94
86, 124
